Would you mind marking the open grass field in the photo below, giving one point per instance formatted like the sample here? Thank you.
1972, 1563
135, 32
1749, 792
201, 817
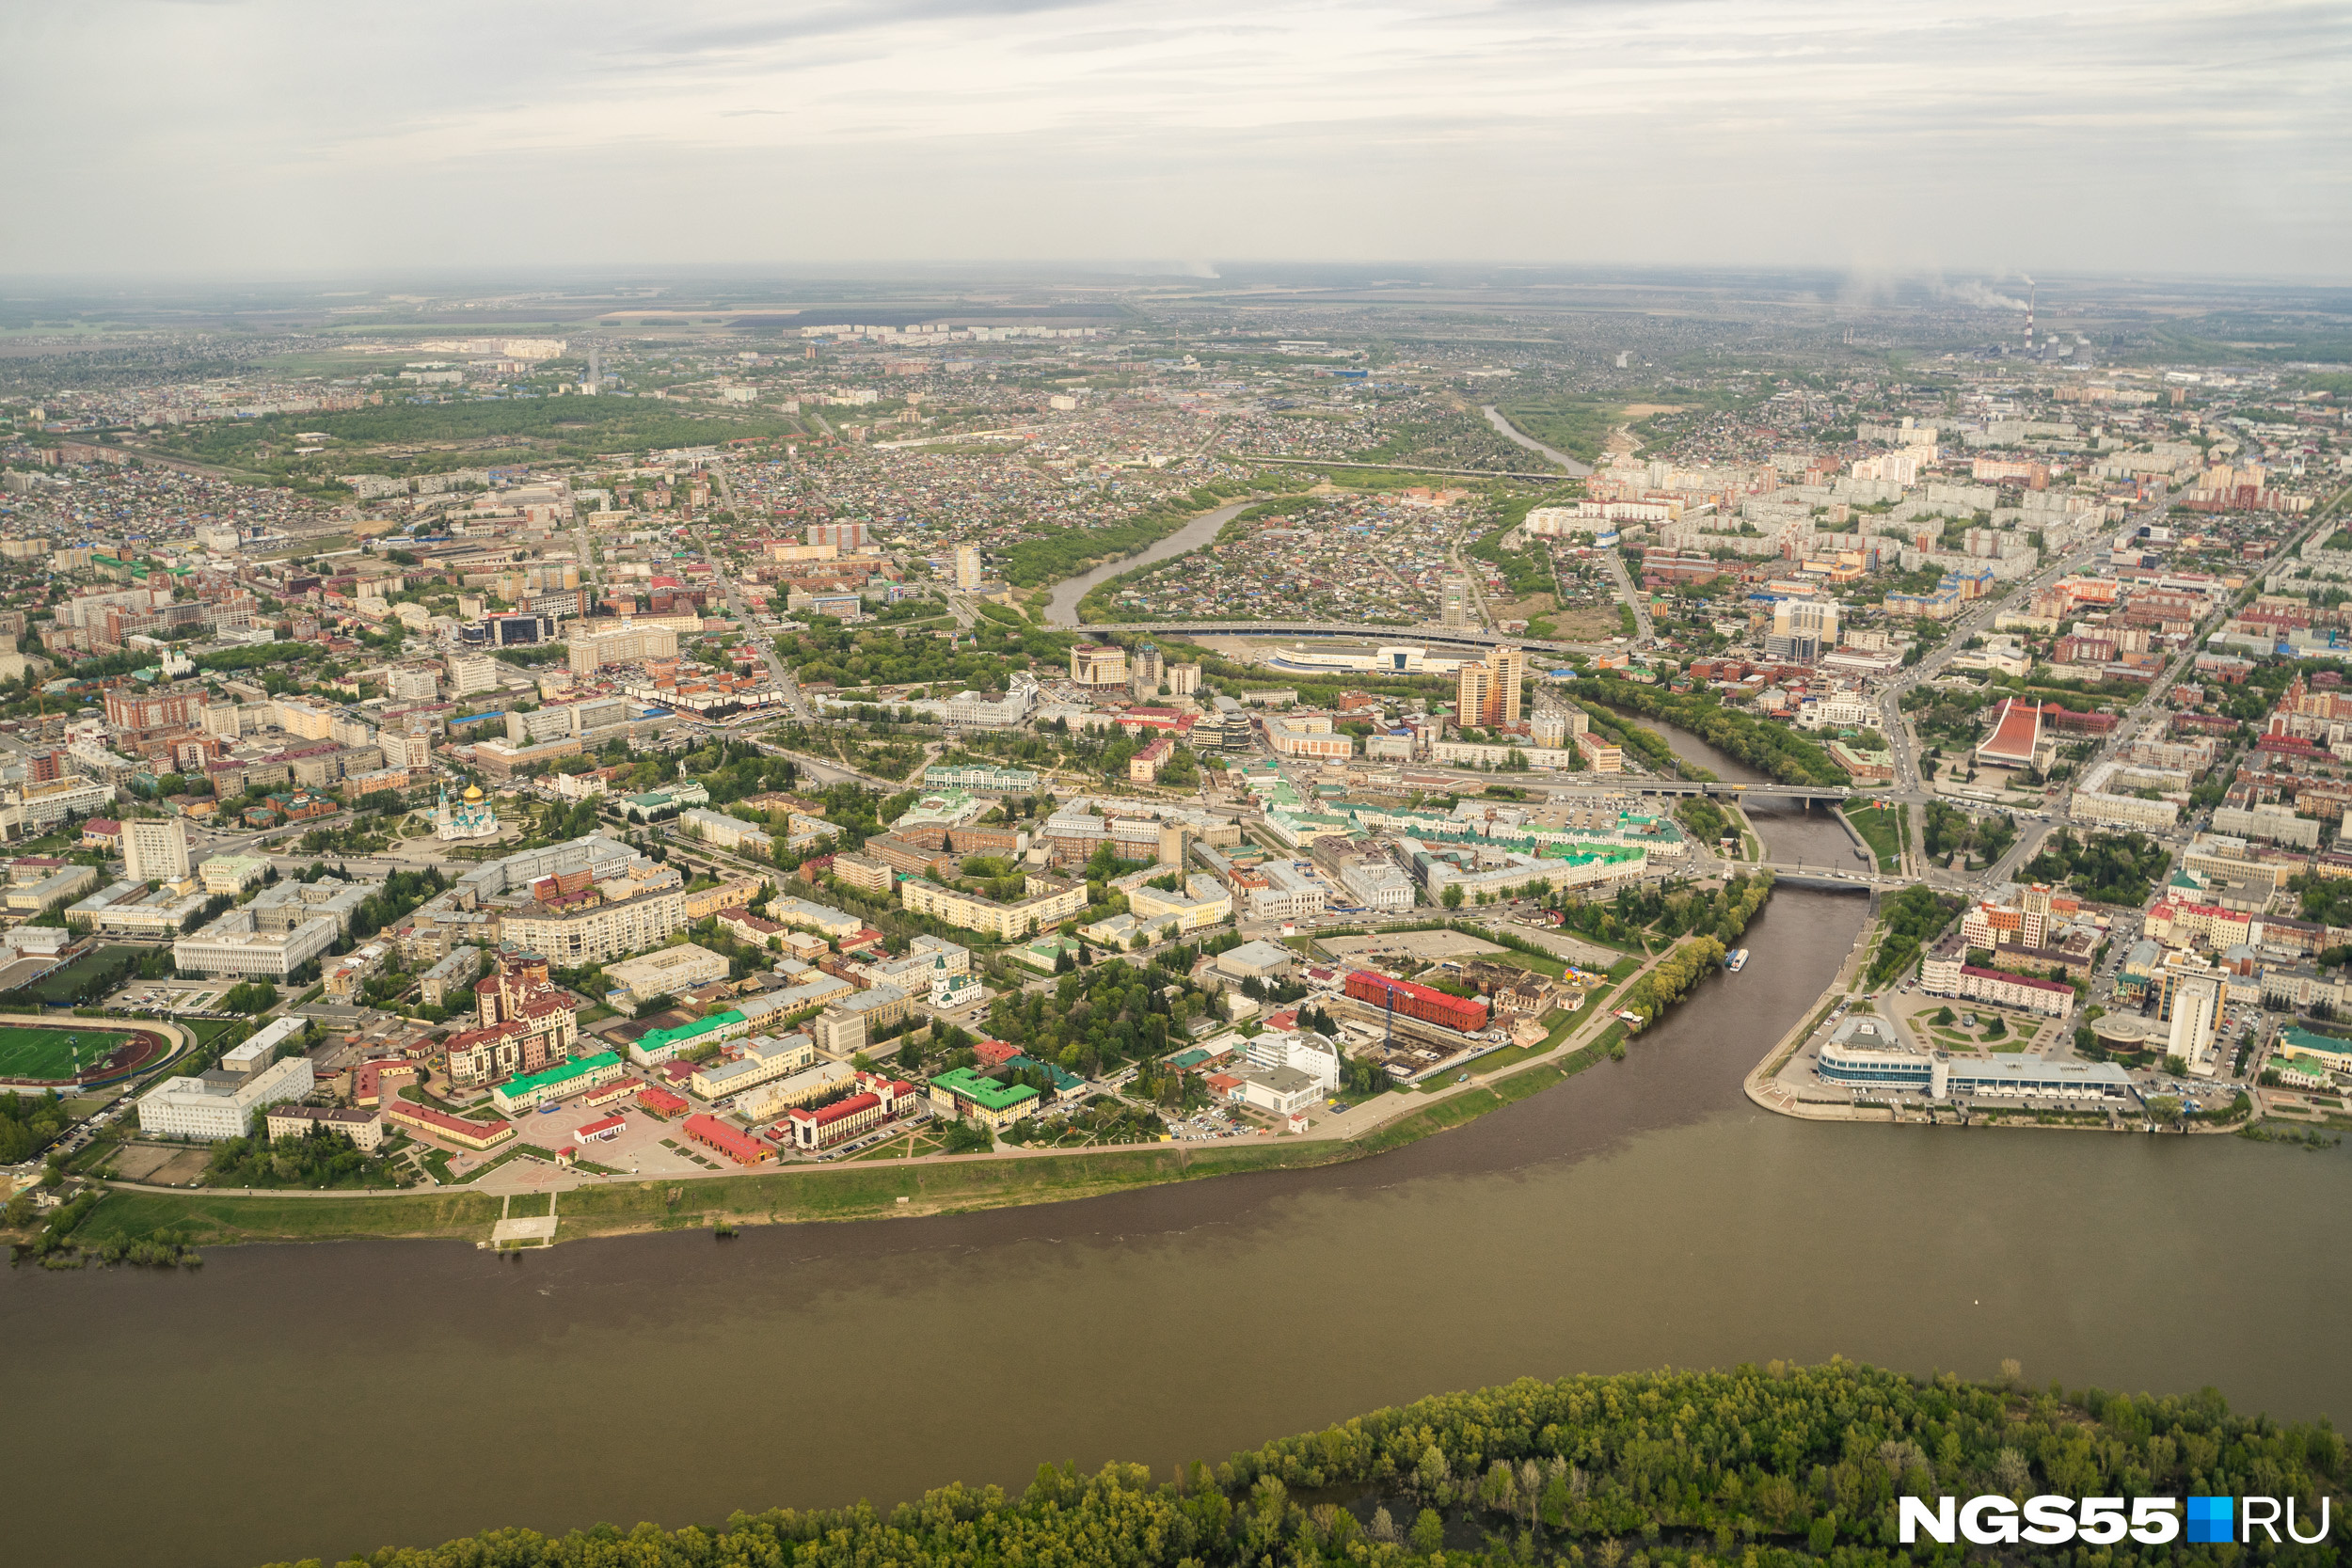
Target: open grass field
62, 987
49, 1052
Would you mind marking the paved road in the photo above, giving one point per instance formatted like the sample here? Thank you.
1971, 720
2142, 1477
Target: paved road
1643, 629
776, 671
1510, 432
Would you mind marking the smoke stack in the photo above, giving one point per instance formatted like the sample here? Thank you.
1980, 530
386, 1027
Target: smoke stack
2031, 297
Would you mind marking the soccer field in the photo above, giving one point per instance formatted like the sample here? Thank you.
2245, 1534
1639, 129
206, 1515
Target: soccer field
47, 1053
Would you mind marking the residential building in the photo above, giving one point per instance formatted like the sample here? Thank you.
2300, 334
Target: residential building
155, 850
365, 1129
1952, 977
458, 970
725, 832
1487, 692
866, 876
596, 926
628, 645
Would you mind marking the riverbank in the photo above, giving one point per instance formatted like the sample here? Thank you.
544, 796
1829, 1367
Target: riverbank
863, 1190
1764, 1089
1061, 602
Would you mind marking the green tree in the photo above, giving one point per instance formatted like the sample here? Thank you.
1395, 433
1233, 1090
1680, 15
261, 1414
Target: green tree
1452, 898
1428, 1532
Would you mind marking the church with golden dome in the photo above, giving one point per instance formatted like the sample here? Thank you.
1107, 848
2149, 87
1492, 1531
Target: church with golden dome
467, 816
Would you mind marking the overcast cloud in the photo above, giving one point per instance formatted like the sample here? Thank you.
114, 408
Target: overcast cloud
1901, 135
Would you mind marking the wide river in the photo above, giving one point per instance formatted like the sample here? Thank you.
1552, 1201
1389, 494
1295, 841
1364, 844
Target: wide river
292, 1401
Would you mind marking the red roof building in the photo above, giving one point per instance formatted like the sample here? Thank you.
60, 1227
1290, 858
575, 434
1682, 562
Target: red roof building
603, 1127
711, 1132
2016, 733
660, 1101
994, 1053
1466, 1014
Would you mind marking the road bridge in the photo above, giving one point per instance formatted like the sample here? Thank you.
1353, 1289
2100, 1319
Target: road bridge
1457, 637
1721, 789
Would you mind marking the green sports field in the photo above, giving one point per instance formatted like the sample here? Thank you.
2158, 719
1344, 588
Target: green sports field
47, 1053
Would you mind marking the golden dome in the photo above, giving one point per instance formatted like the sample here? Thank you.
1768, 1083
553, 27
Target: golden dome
473, 792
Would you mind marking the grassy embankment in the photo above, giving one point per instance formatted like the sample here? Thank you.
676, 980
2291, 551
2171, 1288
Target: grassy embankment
1882, 829
852, 1192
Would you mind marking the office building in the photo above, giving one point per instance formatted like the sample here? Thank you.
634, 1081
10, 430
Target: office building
1098, 664
220, 1103
2196, 1006
472, 673
666, 972
155, 850
233, 945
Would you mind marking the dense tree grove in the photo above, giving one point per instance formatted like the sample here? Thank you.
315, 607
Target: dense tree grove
1780, 753
2105, 869
1672, 980
1109, 1014
317, 1158
29, 1123
1673, 911
1757, 1468
1914, 918
859, 656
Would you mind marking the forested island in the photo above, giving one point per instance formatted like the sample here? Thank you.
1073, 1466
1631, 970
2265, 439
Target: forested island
1766, 1466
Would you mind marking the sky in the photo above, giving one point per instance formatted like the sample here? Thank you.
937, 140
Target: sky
1997, 137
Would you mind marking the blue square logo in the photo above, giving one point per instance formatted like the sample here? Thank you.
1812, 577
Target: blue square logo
2211, 1520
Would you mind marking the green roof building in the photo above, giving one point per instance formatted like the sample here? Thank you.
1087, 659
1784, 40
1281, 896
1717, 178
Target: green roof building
517, 1095
665, 1045
961, 1092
